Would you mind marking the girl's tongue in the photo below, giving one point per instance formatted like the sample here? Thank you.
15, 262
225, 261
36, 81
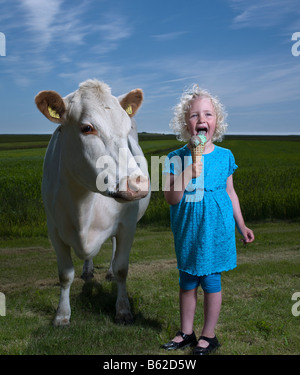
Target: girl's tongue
202, 129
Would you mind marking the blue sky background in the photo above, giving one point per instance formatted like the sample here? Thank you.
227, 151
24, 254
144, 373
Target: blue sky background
239, 50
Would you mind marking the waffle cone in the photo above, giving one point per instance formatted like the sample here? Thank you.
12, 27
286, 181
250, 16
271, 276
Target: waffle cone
197, 152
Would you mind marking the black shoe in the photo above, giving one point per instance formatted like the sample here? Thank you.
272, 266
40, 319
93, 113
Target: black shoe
213, 345
188, 340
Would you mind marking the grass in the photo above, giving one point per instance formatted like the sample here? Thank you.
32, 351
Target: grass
23, 141
256, 313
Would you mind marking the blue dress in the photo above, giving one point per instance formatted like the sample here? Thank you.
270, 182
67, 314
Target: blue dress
202, 222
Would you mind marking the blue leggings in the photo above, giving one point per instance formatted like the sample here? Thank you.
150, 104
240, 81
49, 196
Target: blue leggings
209, 283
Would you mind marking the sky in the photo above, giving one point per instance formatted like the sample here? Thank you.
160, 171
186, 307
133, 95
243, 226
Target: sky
241, 51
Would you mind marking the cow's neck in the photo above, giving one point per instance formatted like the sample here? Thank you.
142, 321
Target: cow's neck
80, 198
82, 218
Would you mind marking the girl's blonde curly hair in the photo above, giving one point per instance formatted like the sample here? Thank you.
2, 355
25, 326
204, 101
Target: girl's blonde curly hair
178, 123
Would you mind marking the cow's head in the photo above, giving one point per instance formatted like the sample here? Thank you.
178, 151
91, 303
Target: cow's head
94, 138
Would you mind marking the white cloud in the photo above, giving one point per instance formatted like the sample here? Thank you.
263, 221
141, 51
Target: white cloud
241, 83
40, 16
114, 28
86, 70
62, 37
168, 36
110, 32
49, 23
263, 14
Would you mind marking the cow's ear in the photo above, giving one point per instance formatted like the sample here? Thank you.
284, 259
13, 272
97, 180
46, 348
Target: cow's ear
132, 101
51, 104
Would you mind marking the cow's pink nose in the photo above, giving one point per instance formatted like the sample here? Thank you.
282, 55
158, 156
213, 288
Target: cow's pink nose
140, 183
136, 187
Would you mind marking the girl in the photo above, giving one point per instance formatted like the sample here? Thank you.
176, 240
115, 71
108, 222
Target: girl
203, 229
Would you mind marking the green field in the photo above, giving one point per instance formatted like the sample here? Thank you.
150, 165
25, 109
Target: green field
256, 316
267, 180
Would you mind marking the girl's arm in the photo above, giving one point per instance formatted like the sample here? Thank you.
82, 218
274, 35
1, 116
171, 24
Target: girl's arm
237, 213
175, 185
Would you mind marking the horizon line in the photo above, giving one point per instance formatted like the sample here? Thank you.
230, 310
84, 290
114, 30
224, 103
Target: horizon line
170, 133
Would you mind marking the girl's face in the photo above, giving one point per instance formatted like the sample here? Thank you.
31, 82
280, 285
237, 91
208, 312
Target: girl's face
201, 116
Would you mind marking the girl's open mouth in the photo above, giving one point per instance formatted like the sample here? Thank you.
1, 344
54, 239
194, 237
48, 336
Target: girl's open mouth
203, 129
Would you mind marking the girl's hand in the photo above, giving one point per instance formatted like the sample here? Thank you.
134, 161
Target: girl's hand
175, 185
247, 234
197, 169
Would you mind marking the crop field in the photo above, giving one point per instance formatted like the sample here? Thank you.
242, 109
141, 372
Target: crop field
256, 316
267, 180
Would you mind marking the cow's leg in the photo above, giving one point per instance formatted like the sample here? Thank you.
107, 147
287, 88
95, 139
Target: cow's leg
88, 270
120, 270
66, 276
88, 266
110, 273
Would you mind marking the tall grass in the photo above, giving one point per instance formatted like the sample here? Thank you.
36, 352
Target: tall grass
269, 193
21, 209
267, 181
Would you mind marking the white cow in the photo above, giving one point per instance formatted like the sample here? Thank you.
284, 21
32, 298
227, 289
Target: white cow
86, 199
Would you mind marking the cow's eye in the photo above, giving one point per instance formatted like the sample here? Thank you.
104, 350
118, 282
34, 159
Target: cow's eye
87, 129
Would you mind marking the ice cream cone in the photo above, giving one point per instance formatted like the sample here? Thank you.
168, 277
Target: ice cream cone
197, 146
197, 152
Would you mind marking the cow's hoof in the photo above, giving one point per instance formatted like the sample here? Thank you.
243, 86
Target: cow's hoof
124, 318
61, 321
87, 276
109, 276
